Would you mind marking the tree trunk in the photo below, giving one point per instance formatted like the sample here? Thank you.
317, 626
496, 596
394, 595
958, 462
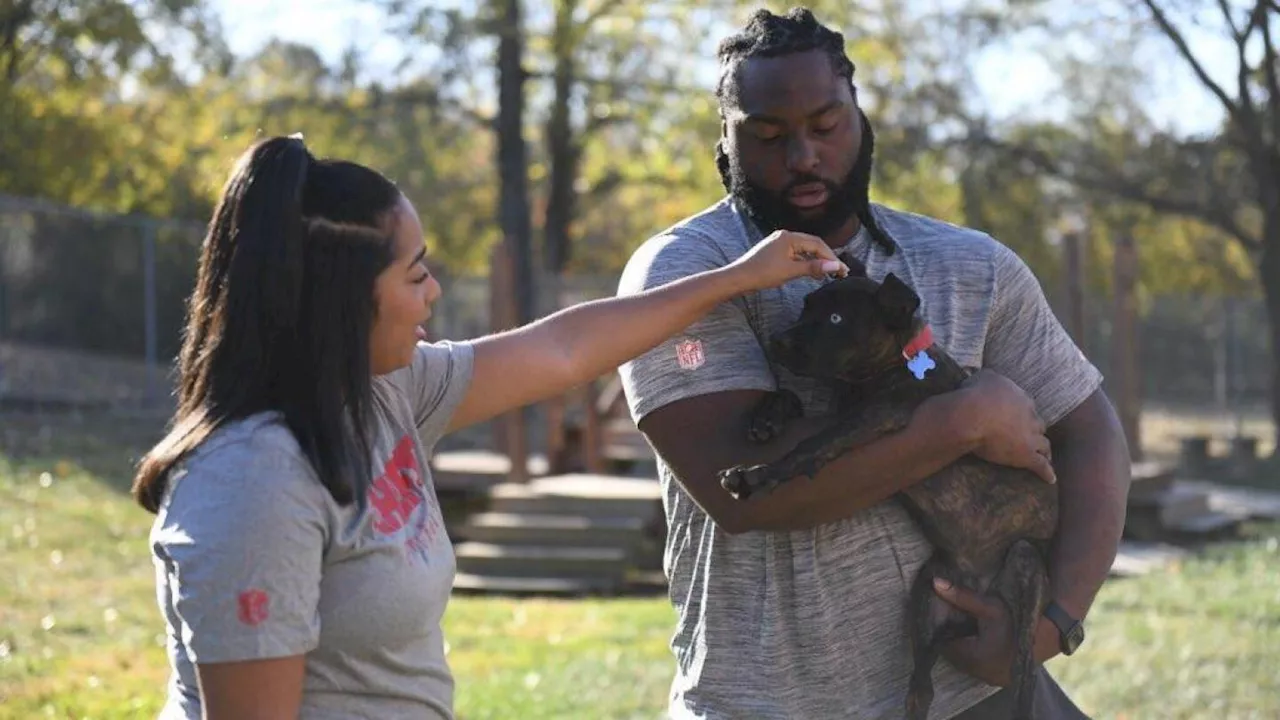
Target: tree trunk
561, 148
1126, 342
513, 158
1073, 251
513, 203
1269, 272
562, 155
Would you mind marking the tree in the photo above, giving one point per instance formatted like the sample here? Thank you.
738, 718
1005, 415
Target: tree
1228, 180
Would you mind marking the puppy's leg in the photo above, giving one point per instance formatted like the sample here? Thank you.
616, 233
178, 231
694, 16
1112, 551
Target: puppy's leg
772, 414
924, 645
808, 457
1023, 586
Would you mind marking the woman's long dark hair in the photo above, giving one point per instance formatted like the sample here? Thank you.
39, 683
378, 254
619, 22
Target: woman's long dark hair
281, 313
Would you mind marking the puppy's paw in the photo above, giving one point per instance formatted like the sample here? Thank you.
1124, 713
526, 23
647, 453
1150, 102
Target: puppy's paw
763, 429
770, 418
742, 482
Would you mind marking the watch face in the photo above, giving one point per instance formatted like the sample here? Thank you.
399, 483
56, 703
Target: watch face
1074, 637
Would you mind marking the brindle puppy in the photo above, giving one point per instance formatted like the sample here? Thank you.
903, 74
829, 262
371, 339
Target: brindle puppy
990, 525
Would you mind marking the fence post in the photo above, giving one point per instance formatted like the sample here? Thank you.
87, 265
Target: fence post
149, 309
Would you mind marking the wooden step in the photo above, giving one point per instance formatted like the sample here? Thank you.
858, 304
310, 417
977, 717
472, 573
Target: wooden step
531, 585
495, 560
477, 470
1180, 504
553, 530
1141, 558
587, 495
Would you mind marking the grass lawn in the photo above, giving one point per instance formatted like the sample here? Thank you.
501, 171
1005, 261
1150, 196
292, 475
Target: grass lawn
80, 633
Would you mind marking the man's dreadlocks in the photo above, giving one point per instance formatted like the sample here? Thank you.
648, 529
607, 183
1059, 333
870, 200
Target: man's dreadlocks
767, 35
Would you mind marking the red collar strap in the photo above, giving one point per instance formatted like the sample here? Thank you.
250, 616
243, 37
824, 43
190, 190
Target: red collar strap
921, 342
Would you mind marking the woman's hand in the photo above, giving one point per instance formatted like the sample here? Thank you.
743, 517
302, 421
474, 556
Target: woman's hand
784, 256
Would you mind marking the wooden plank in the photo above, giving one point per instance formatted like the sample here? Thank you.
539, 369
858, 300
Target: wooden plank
1136, 558
1248, 502
531, 585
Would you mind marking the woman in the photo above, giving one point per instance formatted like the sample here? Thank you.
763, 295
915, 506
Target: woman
302, 565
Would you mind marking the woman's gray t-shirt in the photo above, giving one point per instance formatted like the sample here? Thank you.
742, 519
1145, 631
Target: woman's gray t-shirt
255, 560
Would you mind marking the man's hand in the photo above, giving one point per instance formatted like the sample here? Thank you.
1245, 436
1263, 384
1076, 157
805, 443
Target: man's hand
988, 656
1008, 429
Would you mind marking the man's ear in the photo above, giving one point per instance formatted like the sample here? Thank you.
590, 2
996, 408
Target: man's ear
897, 302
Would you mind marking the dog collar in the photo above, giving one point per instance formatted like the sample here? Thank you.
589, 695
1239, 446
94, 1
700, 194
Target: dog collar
916, 353
921, 342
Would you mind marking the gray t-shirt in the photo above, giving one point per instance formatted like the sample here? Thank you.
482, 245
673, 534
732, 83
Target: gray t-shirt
255, 560
811, 624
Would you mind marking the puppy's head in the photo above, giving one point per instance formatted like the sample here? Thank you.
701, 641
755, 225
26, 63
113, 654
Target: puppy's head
850, 329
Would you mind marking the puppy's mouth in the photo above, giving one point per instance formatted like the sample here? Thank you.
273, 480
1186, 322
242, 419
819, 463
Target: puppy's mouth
790, 354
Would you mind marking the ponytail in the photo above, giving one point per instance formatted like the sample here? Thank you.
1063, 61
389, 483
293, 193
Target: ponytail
281, 312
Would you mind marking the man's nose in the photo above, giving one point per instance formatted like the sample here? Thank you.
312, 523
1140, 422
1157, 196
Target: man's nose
802, 154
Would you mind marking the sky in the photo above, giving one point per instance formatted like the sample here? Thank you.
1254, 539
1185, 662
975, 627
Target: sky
1013, 79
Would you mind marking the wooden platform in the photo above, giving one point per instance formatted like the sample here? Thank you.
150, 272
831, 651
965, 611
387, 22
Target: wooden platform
477, 471
1136, 558
567, 534
1164, 506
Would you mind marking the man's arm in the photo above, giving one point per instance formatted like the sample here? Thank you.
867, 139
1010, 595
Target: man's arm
1026, 343
700, 436
1092, 460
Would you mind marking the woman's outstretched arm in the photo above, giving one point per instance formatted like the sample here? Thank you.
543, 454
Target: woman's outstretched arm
575, 345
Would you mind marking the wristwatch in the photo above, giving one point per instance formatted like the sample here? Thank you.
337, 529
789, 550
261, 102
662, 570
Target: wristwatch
1070, 630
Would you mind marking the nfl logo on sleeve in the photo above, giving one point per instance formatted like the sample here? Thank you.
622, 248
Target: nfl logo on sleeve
689, 354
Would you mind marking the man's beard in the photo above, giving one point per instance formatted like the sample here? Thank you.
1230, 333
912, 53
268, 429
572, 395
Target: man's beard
770, 211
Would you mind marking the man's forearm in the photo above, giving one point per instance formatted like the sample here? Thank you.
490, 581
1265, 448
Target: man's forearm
1092, 462
863, 476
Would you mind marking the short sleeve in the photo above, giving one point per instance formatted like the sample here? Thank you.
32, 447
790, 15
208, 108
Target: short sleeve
436, 383
718, 353
241, 543
1027, 344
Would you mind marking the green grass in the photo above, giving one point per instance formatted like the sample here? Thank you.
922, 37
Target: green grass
80, 633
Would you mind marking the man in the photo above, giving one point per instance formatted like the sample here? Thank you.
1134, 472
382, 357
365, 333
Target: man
791, 604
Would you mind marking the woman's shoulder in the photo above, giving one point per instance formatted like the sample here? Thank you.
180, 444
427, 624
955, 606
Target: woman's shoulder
253, 461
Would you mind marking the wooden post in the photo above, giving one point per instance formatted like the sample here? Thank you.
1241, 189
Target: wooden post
592, 433
510, 436
1073, 251
1125, 344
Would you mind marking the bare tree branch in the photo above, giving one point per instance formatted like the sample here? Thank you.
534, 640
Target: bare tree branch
1112, 182
605, 8
1260, 18
617, 85
596, 123
1233, 110
1230, 22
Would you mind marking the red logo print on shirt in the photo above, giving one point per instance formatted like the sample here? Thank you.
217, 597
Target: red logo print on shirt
395, 494
253, 606
689, 354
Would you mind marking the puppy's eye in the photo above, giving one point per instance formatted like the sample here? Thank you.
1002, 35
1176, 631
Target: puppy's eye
836, 319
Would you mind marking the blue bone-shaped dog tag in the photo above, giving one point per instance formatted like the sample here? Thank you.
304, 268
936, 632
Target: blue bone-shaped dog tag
921, 364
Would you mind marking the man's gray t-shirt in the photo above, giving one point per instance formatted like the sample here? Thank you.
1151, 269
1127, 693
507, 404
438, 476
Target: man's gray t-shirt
255, 560
811, 624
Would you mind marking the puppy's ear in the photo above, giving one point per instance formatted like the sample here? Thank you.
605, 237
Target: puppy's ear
897, 302
856, 268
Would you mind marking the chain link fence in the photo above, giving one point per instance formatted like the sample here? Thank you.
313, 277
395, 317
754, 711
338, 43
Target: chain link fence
92, 306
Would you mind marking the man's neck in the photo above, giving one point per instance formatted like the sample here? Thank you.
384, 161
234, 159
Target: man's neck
841, 236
